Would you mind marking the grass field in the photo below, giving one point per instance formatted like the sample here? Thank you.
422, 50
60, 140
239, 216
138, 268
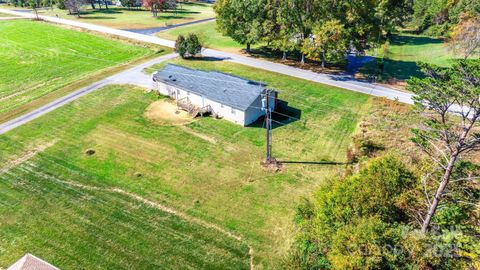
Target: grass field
39, 59
209, 169
208, 34
124, 18
406, 50
75, 228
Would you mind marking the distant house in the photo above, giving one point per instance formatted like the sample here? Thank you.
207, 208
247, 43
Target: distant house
30, 262
233, 98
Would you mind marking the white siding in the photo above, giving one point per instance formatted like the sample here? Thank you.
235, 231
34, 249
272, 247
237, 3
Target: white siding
222, 110
254, 111
227, 112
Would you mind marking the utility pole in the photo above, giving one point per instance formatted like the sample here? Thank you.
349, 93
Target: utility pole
268, 121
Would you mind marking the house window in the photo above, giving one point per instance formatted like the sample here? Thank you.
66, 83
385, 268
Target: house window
188, 93
221, 105
233, 111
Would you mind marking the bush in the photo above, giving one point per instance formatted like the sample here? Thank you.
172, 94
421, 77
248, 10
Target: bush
188, 47
350, 220
180, 46
365, 146
362, 221
194, 46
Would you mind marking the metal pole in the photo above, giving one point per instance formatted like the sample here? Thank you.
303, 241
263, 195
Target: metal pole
268, 116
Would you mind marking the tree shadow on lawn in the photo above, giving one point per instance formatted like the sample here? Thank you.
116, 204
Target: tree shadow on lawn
195, 4
293, 60
414, 40
402, 70
170, 17
182, 11
96, 17
385, 70
101, 11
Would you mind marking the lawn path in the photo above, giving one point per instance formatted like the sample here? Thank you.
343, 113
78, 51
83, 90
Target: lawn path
343, 81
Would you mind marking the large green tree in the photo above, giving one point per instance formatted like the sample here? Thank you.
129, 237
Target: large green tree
276, 33
242, 20
299, 16
328, 42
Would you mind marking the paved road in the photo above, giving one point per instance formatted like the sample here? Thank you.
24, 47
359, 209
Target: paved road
343, 81
133, 76
154, 30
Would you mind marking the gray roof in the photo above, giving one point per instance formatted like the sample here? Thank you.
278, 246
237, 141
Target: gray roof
224, 88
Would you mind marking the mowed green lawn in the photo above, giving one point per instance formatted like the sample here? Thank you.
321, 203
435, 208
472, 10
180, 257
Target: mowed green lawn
75, 228
124, 18
406, 50
209, 169
208, 34
39, 58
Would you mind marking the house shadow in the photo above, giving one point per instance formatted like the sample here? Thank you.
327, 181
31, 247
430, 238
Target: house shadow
282, 116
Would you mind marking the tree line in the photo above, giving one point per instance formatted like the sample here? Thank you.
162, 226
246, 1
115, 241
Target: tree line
319, 29
325, 30
74, 7
439, 17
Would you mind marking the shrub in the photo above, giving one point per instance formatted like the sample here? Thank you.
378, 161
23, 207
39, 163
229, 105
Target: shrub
365, 146
362, 221
352, 219
180, 46
194, 46
189, 46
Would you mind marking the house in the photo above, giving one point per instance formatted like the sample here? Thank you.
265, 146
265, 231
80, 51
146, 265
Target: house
30, 262
233, 98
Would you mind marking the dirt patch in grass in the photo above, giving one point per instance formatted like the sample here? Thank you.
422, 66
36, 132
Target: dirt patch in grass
25, 156
165, 112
